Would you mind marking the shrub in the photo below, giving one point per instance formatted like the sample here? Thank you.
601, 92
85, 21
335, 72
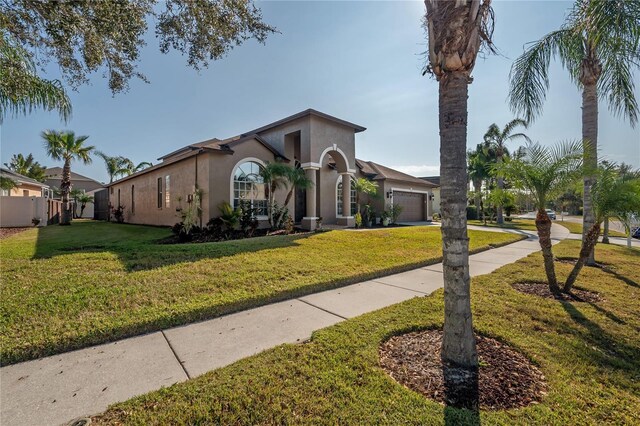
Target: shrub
394, 212
216, 228
248, 220
472, 213
358, 218
230, 217
437, 217
118, 213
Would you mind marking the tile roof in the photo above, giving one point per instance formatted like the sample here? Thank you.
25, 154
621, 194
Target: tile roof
56, 173
377, 171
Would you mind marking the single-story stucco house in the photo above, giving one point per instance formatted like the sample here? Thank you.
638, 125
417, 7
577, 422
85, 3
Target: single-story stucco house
25, 186
227, 170
28, 203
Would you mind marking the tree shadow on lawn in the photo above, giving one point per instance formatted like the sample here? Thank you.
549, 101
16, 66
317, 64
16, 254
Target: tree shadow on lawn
600, 348
139, 251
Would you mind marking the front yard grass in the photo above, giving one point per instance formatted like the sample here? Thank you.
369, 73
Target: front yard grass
589, 353
524, 224
65, 288
576, 228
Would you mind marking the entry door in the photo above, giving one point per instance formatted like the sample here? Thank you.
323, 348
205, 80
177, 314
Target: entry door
300, 204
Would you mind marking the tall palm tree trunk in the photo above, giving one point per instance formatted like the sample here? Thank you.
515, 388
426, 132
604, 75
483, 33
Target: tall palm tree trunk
65, 188
499, 217
587, 248
590, 140
459, 354
543, 225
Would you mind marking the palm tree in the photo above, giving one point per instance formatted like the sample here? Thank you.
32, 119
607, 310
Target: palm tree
545, 172
479, 163
274, 176
295, 179
613, 194
27, 166
7, 183
599, 45
65, 146
21, 90
136, 168
624, 170
84, 199
362, 186
115, 165
496, 139
455, 31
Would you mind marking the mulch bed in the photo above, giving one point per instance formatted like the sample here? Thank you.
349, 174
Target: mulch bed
506, 378
541, 289
204, 237
7, 232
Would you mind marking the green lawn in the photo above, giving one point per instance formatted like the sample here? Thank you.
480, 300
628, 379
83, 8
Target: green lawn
576, 228
589, 353
70, 287
525, 224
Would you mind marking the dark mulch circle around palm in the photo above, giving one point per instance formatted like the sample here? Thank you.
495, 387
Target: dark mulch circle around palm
507, 379
541, 289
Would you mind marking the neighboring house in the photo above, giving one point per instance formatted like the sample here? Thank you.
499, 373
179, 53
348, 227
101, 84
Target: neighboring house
54, 179
436, 191
227, 170
27, 204
26, 187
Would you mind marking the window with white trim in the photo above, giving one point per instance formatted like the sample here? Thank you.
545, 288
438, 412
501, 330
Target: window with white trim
248, 185
354, 208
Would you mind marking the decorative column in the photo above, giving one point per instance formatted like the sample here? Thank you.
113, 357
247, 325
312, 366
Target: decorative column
309, 221
346, 219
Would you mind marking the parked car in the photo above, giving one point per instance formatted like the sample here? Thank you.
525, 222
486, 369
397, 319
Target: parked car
636, 233
551, 214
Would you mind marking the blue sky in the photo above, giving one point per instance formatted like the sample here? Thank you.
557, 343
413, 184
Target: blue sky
360, 61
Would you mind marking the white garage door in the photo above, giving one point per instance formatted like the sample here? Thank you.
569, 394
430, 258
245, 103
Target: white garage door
413, 206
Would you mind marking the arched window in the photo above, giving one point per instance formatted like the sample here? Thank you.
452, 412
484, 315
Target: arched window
248, 185
354, 208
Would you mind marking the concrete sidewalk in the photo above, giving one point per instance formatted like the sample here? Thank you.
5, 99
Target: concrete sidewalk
59, 388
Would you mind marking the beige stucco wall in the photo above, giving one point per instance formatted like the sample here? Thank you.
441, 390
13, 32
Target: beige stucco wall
276, 138
19, 211
32, 191
182, 182
326, 134
215, 171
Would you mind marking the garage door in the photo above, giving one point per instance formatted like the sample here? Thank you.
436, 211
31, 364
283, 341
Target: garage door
413, 206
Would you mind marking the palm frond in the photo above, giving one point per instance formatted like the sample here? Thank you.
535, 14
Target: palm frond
529, 76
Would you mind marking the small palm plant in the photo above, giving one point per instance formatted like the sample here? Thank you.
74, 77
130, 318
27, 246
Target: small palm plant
274, 176
84, 199
65, 146
295, 179
545, 172
613, 195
